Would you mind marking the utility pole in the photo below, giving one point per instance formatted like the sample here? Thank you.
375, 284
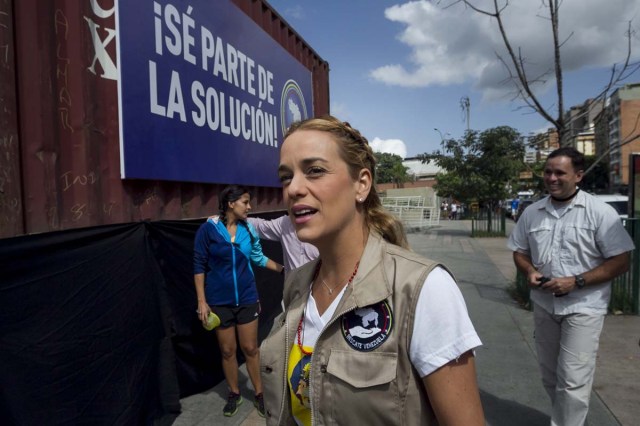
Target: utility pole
465, 105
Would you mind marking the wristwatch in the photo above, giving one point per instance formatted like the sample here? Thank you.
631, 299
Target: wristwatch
580, 282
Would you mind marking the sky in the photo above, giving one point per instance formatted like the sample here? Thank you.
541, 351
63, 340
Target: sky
400, 71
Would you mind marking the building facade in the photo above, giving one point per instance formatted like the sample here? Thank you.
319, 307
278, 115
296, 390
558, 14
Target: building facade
623, 133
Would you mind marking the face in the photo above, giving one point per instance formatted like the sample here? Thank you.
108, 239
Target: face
320, 194
560, 178
240, 208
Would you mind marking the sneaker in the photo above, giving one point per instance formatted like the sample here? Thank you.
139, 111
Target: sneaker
258, 402
233, 401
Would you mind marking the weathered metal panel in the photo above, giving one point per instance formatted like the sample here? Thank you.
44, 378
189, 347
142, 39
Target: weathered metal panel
10, 169
59, 134
273, 24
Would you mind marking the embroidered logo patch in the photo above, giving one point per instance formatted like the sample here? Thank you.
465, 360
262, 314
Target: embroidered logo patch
367, 328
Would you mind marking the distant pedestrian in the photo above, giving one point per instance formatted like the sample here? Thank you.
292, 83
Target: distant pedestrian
514, 208
570, 245
454, 211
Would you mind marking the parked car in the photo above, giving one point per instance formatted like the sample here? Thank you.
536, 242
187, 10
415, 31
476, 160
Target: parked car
521, 206
618, 202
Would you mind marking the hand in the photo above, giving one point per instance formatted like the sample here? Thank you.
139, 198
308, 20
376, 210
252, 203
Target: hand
559, 286
203, 311
534, 279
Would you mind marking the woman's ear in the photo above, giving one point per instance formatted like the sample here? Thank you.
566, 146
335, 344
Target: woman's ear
364, 184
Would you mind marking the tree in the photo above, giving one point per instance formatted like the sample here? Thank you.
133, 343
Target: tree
598, 179
480, 165
516, 64
390, 169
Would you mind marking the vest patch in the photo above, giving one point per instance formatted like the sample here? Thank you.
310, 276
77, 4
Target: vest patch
367, 328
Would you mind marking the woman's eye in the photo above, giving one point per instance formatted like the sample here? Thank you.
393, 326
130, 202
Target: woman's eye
284, 179
315, 171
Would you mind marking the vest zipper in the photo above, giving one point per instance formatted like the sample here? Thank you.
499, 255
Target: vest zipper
235, 277
286, 368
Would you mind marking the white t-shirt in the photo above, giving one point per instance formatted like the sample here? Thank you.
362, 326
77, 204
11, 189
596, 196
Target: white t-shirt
442, 330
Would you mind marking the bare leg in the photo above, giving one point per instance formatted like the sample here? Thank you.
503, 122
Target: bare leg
228, 347
248, 336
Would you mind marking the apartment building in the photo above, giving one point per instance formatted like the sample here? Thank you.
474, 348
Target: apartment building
623, 133
580, 124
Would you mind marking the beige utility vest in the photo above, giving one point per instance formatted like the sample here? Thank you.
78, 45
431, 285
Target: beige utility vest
351, 382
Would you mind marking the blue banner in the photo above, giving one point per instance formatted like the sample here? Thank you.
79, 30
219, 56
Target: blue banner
205, 94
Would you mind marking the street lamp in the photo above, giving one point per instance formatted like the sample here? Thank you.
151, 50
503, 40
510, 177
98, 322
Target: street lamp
440, 133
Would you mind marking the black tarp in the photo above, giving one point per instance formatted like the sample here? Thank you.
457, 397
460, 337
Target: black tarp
98, 325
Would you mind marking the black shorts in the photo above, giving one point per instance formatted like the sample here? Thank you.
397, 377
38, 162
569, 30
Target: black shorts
231, 315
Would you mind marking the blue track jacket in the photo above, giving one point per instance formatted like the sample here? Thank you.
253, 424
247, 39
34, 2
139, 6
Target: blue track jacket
229, 278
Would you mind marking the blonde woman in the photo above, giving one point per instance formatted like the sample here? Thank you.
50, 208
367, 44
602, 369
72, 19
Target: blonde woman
372, 333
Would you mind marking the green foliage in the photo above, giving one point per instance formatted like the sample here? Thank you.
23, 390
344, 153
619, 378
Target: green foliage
390, 169
597, 180
479, 165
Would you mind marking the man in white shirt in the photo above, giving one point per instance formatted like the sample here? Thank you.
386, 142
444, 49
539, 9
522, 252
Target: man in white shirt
570, 245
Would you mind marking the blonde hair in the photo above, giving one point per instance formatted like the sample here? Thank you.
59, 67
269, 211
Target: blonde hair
354, 150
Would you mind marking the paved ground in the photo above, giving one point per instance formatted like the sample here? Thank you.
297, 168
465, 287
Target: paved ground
508, 376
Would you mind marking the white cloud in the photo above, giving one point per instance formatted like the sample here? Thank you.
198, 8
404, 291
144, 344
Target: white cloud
455, 45
340, 110
391, 146
294, 12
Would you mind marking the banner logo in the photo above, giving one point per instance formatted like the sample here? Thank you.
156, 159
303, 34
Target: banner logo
292, 106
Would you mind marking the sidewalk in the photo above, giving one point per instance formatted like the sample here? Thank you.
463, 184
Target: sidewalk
510, 384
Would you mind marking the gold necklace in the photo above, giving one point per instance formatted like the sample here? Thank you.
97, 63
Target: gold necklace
330, 289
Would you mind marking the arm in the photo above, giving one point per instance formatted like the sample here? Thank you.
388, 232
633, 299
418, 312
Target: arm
268, 229
606, 271
203, 307
453, 393
258, 258
524, 265
274, 266
200, 259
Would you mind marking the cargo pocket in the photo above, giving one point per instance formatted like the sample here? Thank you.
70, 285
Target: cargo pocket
362, 382
363, 369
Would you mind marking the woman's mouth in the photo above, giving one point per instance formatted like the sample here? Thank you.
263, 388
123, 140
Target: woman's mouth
301, 214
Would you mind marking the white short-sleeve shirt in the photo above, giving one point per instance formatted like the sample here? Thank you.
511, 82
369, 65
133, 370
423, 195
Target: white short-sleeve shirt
568, 242
442, 330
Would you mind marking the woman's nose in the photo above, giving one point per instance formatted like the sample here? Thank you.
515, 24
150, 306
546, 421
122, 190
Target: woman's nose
296, 186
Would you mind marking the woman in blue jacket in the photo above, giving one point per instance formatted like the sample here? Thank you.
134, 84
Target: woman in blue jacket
226, 247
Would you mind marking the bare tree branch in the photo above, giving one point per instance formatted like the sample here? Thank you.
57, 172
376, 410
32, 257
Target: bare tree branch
516, 67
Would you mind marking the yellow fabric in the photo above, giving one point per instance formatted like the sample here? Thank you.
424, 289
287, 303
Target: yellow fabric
298, 379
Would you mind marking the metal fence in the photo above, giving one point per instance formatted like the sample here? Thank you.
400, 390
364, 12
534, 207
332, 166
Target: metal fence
625, 289
488, 222
412, 212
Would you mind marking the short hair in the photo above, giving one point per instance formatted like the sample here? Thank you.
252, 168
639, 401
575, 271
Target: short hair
577, 158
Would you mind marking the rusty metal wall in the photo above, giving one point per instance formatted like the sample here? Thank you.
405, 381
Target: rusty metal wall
59, 137
10, 194
264, 15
